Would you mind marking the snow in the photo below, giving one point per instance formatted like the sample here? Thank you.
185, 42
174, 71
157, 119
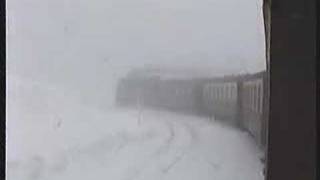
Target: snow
53, 136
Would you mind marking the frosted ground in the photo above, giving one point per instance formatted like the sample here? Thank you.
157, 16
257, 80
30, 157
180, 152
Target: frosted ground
53, 136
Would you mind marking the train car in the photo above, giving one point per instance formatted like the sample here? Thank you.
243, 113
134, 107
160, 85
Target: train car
126, 92
239, 101
253, 106
177, 95
171, 93
137, 91
235, 100
220, 101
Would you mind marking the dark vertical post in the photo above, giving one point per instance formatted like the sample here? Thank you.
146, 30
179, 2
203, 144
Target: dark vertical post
3, 89
292, 123
266, 76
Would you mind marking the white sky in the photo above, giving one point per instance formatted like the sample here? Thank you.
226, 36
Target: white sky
75, 41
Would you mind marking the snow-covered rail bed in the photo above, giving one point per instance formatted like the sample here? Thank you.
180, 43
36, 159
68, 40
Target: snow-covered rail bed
115, 145
53, 137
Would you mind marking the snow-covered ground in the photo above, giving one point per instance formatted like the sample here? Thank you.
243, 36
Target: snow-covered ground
52, 136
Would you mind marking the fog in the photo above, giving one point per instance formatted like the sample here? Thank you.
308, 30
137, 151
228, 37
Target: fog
84, 46
64, 62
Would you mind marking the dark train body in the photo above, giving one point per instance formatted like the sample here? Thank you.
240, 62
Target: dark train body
236, 100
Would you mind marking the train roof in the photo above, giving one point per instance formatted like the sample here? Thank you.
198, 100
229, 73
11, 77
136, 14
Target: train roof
187, 74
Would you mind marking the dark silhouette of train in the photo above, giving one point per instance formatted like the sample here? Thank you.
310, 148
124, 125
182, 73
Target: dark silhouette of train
235, 100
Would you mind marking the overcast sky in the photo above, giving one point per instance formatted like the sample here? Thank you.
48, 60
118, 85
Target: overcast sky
75, 41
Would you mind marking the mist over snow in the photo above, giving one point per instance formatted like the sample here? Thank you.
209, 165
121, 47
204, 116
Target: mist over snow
85, 45
64, 59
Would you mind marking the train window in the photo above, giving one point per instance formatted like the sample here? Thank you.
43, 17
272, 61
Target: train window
234, 92
254, 87
218, 92
223, 91
244, 100
212, 93
247, 98
230, 91
206, 92
250, 96
215, 92
258, 97
262, 98
255, 96
226, 91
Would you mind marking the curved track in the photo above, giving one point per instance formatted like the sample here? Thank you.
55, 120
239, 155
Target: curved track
164, 146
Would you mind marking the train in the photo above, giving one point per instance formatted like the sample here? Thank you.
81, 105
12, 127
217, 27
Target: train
239, 101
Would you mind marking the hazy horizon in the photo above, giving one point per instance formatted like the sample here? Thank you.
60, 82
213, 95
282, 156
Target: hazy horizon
87, 45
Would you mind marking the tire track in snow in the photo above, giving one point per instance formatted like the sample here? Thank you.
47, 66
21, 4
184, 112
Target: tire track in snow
133, 173
168, 142
185, 150
171, 152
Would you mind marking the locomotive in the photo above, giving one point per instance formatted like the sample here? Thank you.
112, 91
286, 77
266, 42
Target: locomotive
235, 100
